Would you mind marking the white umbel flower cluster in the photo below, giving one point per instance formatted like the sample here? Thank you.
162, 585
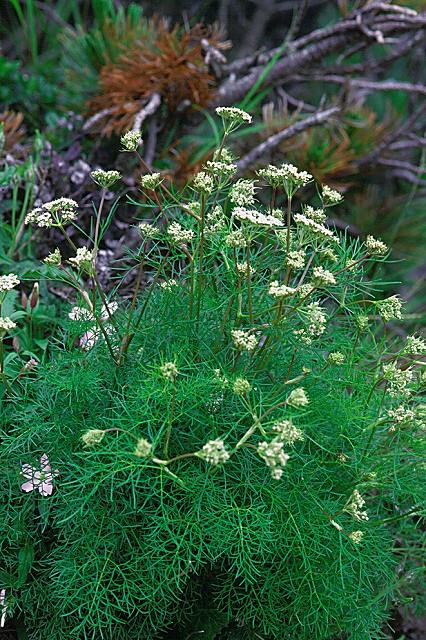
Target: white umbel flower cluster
214, 452
256, 217
244, 340
298, 398
54, 258
354, 506
322, 278
6, 324
330, 196
150, 181
278, 290
143, 448
336, 357
401, 415
316, 321
295, 259
8, 282
274, 456
178, 234
317, 215
236, 239
105, 179
147, 231
220, 168
52, 214
414, 345
286, 176
169, 285
243, 193
83, 260
398, 379
131, 140
203, 183
375, 247
169, 371
314, 229
233, 117
241, 386
390, 308
287, 432
244, 269
215, 221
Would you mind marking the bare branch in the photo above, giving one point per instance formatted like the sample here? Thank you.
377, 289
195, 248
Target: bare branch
148, 109
273, 141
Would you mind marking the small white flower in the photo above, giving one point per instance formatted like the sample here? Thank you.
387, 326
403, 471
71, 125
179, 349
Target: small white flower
6, 324
241, 387
131, 141
143, 448
3, 607
244, 340
80, 314
330, 196
150, 181
53, 259
105, 179
375, 247
203, 183
390, 308
322, 278
178, 234
169, 371
278, 290
274, 456
214, 452
233, 117
298, 398
83, 259
8, 282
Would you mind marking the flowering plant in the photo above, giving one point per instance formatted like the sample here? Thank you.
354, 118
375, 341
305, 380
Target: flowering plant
237, 446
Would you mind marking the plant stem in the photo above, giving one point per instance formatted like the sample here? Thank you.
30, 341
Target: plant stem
171, 416
201, 255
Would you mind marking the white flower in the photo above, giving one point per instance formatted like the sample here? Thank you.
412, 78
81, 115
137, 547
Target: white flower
356, 536
288, 434
105, 179
295, 259
321, 277
169, 370
214, 452
232, 117
178, 234
274, 456
131, 140
143, 448
150, 181
390, 308
244, 269
215, 221
42, 479
286, 176
221, 169
336, 357
398, 379
147, 231
318, 215
80, 314
401, 415
3, 607
242, 193
54, 258
169, 285
83, 259
236, 239
314, 228
39, 216
92, 437
298, 398
354, 506
414, 346
6, 324
241, 386
8, 282
330, 196
278, 290
256, 217
244, 340
203, 183
375, 247
316, 320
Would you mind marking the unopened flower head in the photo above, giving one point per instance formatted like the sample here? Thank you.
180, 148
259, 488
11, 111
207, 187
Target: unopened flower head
214, 452
243, 193
150, 181
287, 433
241, 386
354, 506
53, 259
390, 308
92, 437
105, 179
244, 340
8, 282
143, 448
336, 357
232, 117
131, 141
279, 290
322, 278
178, 234
330, 196
83, 260
375, 247
6, 324
362, 323
274, 456
298, 398
169, 371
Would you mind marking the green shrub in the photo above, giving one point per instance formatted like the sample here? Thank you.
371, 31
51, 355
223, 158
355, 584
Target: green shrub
236, 450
